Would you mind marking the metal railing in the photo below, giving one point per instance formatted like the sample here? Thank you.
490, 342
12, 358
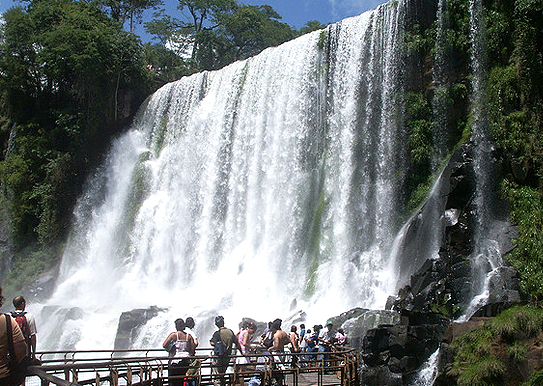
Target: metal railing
149, 367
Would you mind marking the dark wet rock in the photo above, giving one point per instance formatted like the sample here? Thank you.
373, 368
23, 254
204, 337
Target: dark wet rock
358, 321
402, 348
130, 323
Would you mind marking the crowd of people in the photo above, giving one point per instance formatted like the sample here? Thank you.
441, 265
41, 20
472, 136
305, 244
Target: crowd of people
306, 344
18, 344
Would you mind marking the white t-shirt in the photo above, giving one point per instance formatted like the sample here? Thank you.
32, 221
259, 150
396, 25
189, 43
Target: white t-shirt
31, 323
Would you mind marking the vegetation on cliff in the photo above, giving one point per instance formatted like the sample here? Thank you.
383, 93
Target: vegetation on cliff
515, 75
498, 353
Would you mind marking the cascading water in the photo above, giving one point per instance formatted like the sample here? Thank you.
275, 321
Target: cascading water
486, 257
439, 100
266, 189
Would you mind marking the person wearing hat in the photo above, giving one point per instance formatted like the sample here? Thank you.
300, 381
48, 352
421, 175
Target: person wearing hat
325, 340
222, 341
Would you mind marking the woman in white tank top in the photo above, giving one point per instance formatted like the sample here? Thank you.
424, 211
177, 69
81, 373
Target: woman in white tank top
184, 344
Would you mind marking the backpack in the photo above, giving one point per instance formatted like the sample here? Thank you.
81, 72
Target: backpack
219, 348
268, 340
20, 318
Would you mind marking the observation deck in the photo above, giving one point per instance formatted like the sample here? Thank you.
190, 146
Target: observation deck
149, 367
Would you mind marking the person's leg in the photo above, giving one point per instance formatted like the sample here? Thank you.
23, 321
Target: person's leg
222, 367
322, 349
174, 371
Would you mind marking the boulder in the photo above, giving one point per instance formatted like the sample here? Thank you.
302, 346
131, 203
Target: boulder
130, 323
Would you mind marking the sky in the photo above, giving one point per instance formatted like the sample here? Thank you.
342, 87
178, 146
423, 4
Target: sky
294, 12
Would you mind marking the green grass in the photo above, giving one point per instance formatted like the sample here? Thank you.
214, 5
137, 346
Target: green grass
474, 361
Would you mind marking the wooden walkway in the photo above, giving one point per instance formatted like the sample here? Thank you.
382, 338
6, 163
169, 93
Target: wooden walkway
149, 368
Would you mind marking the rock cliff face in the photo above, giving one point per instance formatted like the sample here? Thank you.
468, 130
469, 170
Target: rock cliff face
442, 288
130, 323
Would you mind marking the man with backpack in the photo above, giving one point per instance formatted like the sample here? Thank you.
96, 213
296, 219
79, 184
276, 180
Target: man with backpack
222, 341
27, 324
12, 350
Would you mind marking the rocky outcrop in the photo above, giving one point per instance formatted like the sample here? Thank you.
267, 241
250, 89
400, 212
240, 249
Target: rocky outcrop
130, 323
358, 321
393, 354
441, 289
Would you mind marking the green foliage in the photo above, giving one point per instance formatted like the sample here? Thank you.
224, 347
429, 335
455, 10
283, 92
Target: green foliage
419, 124
474, 360
310, 26
516, 119
322, 40
250, 29
527, 213
417, 41
220, 32
517, 351
165, 64
131, 10
536, 379
65, 71
30, 263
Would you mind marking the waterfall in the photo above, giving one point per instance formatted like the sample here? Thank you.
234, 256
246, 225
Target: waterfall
428, 373
486, 257
439, 99
270, 188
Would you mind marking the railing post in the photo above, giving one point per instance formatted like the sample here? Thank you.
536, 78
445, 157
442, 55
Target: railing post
114, 376
74, 376
129, 376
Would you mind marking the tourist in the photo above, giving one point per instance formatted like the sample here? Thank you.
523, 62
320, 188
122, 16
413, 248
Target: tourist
302, 334
340, 340
189, 329
280, 337
280, 340
245, 338
294, 346
27, 324
325, 340
184, 346
222, 341
266, 339
8, 375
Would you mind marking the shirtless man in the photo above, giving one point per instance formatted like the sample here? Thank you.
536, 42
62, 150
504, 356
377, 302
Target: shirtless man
280, 337
280, 340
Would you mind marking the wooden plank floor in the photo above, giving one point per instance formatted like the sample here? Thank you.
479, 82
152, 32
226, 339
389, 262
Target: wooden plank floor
311, 379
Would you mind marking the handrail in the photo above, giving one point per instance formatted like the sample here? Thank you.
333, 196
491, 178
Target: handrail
64, 368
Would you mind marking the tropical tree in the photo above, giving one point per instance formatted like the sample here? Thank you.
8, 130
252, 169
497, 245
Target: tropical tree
66, 73
128, 10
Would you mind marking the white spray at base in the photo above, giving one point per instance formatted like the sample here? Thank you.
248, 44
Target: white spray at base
266, 189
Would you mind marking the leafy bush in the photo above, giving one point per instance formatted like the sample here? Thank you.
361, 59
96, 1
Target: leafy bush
474, 361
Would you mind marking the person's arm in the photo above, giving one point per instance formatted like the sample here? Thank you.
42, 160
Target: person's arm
33, 346
236, 342
294, 341
247, 341
192, 344
170, 337
33, 331
214, 338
